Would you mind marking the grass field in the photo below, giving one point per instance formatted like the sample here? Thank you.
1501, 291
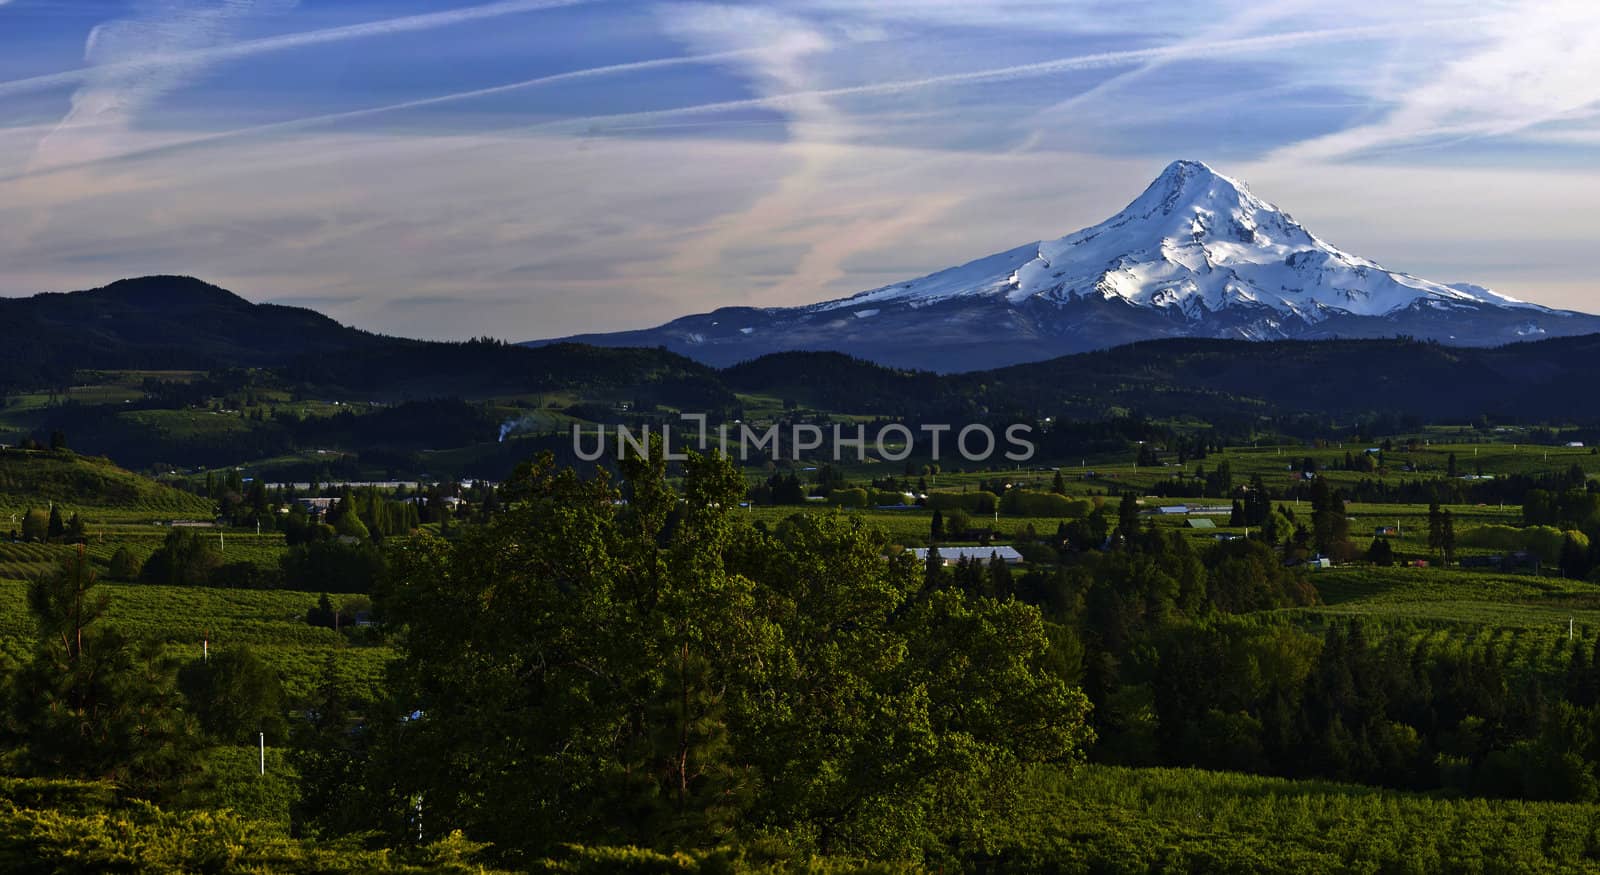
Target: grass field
1278, 466
1107, 819
1456, 597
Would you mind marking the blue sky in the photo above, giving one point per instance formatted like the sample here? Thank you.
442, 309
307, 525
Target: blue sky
533, 168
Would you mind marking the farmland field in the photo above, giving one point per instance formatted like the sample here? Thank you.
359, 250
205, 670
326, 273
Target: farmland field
272, 624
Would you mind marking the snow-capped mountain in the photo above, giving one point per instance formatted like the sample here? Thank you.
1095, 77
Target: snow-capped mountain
1197, 255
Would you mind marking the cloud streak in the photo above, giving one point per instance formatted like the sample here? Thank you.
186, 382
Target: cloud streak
333, 118
265, 45
1098, 60
1539, 62
119, 86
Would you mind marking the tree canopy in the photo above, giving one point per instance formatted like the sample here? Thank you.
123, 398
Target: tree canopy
654, 674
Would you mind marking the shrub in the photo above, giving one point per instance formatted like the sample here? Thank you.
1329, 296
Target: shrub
971, 502
848, 498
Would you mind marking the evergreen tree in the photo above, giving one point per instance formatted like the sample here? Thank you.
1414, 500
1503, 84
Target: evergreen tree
330, 759
1128, 518
1381, 553
1000, 584
350, 525
91, 703
56, 527
1447, 537
36, 525
1574, 560
938, 525
77, 532
183, 559
235, 695
1329, 523
934, 574
124, 565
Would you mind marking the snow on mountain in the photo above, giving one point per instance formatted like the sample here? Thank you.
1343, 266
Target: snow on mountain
1197, 242
1196, 255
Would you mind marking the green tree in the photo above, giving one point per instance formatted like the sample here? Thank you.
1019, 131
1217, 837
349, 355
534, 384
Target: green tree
91, 703
349, 525
1381, 553
1330, 525
185, 558
331, 566
1447, 537
235, 695
36, 525
55, 528
659, 674
1128, 517
125, 564
331, 760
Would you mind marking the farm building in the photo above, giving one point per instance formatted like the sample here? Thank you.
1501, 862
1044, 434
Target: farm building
952, 555
317, 507
1519, 561
1211, 509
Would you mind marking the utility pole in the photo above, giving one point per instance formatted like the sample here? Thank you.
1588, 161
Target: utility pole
263, 737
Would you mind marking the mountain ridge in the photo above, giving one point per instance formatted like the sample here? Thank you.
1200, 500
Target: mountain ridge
1197, 254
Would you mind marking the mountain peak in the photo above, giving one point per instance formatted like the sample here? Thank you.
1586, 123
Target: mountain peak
1194, 243
1184, 171
1196, 254
1187, 184
170, 291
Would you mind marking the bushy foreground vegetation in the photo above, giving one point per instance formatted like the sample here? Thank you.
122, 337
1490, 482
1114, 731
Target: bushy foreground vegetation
582, 677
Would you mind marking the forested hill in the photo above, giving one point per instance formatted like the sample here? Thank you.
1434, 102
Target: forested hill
181, 323
160, 322
1538, 381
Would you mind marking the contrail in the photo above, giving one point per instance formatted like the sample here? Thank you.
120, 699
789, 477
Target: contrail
334, 117
249, 48
998, 74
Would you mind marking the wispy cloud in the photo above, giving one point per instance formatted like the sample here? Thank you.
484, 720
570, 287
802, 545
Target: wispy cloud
332, 118
1536, 61
250, 48
1253, 18
1098, 60
816, 148
812, 123
120, 82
